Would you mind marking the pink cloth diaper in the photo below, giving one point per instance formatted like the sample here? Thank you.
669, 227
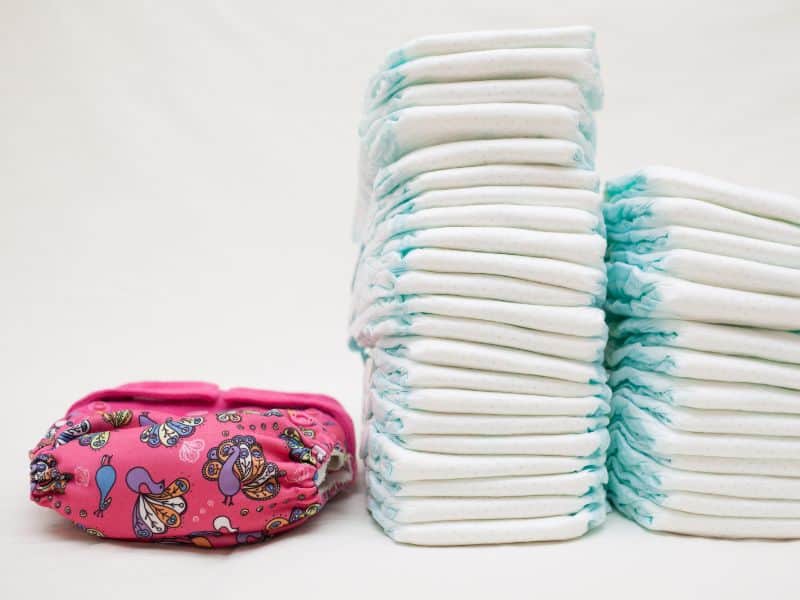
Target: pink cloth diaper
190, 463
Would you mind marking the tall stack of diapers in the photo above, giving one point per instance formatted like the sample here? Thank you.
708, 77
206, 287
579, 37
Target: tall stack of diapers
705, 367
478, 293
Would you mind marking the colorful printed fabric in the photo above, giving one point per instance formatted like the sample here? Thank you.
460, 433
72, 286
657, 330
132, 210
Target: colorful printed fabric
190, 463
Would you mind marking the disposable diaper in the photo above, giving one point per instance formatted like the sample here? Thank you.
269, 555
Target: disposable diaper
674, 237
666, 181
473, 41
779, 346
579, 65
636, 293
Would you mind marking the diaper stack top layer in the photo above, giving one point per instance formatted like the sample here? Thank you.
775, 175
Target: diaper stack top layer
704, 355
477, 295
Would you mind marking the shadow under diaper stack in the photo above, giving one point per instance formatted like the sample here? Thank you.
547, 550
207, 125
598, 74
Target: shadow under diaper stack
705, 368
477, 296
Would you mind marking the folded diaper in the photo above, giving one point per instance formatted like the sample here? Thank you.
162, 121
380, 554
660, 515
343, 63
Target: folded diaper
136, 462
666, 181
577, 64
705, 394
453, 43
694, 364
587, 349
713, 269
634, 213
490, 531
636, 293
674, 237
776, 346
650, 515
586, 482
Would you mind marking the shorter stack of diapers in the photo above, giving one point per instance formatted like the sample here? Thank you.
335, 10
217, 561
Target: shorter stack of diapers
477, 297
705, 364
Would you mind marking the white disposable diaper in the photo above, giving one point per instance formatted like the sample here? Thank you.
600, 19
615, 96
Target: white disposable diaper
675, 237
705, 394
545, 271
395, 419
470, 402
580, 483
472, 41
779, 346
571, 320
634, 213
401, 132
666, 181
490, 531
652, 516
713, 269
585, 349
579, 65
636, 293
469, 355
695, 364
398, 464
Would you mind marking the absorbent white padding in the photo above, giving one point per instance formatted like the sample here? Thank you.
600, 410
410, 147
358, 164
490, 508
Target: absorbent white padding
470, 402
651, 516
593, 443
473, 41
426, 510
713, 421
579, 248
667, 181
485, 332
546, 271
473, 153
374, 284
666, 479
541, 90
404, 373
571, 320
779, 346
674, 237
633, 292
695, 364
398, 464
645, 213
395, 419
490, 531
579, 65
470, 355
714, 269
649, 433
580, 483
705, 394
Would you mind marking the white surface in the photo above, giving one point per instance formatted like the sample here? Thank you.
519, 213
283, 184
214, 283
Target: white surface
176, 188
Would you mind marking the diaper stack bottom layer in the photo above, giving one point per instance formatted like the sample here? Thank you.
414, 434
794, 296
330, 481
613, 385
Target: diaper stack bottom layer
478, 291
704, 355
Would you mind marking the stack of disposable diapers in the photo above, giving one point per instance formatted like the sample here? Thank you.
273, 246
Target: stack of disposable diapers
477, 297
706, 369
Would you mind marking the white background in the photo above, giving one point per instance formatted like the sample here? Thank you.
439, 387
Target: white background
176, 188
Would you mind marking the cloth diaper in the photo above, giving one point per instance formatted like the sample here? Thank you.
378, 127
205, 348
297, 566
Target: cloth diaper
490, 531
586, 482
779, 346
636, 293
189, 463
577, 64
705, 394
474, 41
650, 515
713, 269
674, 237
667, 181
